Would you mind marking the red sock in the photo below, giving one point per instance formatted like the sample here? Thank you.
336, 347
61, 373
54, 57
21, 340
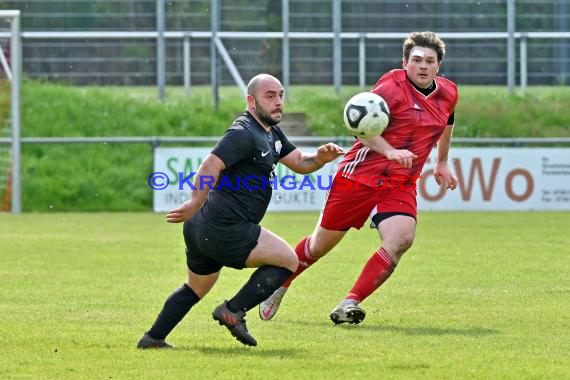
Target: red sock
305, 259
377, 270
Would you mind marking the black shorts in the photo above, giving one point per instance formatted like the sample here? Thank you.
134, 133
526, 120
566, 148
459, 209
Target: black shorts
211, 246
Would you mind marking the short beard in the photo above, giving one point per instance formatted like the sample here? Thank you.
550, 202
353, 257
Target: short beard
265, 117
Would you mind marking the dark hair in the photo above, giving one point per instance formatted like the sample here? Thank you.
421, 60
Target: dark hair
424, 39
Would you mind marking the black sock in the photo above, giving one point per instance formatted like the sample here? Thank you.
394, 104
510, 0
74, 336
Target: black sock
175, 308
262, 283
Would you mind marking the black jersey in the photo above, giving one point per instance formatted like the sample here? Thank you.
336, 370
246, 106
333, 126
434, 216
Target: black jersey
244, 188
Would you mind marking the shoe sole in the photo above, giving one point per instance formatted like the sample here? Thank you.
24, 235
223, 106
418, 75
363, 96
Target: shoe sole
147, 342
238, 337
356, 316
155, 347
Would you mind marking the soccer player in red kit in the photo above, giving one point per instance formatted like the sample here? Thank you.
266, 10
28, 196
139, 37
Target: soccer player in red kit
377, 176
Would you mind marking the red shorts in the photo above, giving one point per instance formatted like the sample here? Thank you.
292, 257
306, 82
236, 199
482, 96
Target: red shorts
349, 204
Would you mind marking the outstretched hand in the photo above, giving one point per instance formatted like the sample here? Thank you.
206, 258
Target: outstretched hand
183, 213
329, 152
444, 177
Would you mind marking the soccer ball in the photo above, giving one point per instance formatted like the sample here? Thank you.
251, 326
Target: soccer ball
366, 114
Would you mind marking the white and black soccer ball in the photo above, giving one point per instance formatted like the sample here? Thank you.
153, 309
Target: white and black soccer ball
366, 114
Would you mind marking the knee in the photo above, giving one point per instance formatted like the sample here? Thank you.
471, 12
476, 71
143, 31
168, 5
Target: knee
291, 262
405, 242
398, 245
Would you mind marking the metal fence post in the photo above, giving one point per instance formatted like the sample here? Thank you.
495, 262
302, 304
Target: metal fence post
523, 62
285, 59
186, 60
213, 53
160, 49
362, 62
337, 46
16, 61
511, 59
562, 44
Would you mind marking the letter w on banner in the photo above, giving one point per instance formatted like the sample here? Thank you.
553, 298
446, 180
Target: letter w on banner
500, 179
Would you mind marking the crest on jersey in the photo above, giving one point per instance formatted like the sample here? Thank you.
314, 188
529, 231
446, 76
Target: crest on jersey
278, 146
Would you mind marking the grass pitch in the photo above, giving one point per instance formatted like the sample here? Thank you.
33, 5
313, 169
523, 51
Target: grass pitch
479, 295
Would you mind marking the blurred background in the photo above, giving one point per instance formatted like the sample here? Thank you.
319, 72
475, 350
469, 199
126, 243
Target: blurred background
132, 61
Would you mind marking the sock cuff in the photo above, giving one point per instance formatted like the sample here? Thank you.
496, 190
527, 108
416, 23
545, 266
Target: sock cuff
273, 273
284, 271
188, 292
353, 296
306, 250
303, 252
383, 255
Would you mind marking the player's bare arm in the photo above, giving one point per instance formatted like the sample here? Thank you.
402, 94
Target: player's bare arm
304, 163
211, 167
442, 172
379, 144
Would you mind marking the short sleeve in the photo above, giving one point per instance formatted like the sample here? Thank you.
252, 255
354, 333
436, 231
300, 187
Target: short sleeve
455, 97
235, 145
286, 145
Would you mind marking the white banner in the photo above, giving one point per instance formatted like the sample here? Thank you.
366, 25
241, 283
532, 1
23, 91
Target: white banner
294, 192
501, 179
489, 179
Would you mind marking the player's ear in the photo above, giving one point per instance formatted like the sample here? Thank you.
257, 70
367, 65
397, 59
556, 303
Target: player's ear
404, 63
250, 101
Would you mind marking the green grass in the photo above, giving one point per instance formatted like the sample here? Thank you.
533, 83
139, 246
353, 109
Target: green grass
112, 177
480, 295
57, 110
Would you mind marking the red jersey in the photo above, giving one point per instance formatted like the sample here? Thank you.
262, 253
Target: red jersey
416, 123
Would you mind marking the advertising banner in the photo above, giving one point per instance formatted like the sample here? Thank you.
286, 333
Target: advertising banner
488, 179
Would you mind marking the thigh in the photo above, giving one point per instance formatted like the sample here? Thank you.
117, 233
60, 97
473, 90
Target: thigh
217, 245
196, 260
347, 205
200, 264
272, 250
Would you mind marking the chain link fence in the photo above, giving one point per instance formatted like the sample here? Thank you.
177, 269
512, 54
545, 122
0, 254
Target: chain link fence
133, 61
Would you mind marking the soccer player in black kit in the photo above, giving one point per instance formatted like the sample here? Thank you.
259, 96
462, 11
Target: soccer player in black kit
221, 225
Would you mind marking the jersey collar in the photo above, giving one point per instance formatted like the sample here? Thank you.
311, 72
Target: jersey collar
257, 123
421, 93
